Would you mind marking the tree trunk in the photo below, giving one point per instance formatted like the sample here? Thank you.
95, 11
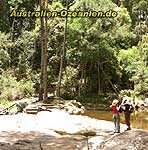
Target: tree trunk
81, 80
43, 77
42, 47
114, 88
85, 80
12, 40
45, 55
58, 87
99, 79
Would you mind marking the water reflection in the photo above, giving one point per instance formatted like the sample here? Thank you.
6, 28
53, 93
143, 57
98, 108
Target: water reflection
138, 119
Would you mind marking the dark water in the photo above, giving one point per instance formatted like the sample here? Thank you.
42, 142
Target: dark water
139, 120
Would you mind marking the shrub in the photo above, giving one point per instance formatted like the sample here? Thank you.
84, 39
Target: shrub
27, 88
11, 89
4, 102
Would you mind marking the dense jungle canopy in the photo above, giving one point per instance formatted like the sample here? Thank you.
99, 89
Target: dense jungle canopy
100, 55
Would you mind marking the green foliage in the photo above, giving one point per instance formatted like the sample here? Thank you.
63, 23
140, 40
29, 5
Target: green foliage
94, 99
98, 50
11, 89
70, 82
4, 19
26, 88
93, 40
134, 62
127, 93
5, 45
4, 102
70, 77
68, 95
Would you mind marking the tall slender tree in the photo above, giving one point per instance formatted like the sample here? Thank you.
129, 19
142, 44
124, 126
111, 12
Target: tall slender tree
58, 87
62, 59
43, 78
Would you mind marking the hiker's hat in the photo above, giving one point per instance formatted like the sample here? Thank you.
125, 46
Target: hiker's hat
126, 100
115, 101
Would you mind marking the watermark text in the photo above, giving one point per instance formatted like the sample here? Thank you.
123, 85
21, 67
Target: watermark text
64, 13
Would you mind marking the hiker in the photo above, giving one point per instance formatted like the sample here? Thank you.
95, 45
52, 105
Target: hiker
126, 108
116, 116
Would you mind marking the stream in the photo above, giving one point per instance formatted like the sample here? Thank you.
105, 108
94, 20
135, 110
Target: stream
139, 120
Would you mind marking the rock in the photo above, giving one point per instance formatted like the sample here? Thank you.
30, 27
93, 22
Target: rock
38, 141
129, 140
60, 130
94, 142
18, 106
58, 121
30, 106
64, 123
73, 107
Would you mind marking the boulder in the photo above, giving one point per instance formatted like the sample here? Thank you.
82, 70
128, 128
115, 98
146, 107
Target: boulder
73, 107
39, 141
135, 139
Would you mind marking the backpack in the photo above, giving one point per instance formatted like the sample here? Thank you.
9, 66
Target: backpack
120, 109
131, 108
